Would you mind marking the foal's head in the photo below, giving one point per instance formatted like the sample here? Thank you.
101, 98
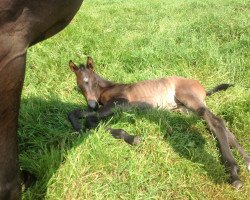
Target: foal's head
87, 81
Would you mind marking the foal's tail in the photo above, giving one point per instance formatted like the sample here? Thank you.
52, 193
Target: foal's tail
218, 88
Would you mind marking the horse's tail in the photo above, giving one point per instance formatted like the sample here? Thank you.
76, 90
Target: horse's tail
223, 86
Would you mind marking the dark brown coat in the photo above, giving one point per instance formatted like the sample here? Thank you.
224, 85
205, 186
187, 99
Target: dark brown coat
22, 23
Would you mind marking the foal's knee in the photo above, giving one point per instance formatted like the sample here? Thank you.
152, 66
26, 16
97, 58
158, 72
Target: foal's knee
92, 121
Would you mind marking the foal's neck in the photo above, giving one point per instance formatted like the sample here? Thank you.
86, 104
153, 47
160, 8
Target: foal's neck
109, 90
103, 83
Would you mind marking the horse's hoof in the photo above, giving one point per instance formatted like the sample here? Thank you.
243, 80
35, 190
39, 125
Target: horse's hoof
78, 130
27, 179
237, 184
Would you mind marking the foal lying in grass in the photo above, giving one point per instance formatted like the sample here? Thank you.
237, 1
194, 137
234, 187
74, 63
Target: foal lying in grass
171, 93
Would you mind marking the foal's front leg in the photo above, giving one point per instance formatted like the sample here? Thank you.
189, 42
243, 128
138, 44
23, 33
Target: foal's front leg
122, 134
105, 111
77, 114
93, 118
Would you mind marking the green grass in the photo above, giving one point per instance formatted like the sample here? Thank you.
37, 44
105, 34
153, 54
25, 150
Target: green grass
130, 41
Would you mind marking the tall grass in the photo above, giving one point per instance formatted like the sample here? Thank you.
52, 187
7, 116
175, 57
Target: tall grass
135, 40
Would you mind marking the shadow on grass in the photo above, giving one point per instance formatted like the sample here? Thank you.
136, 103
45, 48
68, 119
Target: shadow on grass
181, 131
188, 142
45, 136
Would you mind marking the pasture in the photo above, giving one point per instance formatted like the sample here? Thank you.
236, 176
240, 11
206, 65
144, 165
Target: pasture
130, 41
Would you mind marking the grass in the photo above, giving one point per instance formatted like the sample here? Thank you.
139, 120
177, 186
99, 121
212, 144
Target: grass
130, 41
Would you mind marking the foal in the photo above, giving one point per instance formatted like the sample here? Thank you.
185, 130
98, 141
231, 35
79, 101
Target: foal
169, 93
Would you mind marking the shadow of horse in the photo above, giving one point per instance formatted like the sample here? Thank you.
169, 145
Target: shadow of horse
45, 136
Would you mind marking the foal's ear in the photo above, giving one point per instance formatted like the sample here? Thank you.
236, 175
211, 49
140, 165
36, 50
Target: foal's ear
90, 63
73, 66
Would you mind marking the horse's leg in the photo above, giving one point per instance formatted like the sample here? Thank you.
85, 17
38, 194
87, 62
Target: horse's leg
12, 68
234, 143
27, 179
219, 130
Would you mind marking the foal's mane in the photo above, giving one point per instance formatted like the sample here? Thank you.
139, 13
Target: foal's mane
104, 83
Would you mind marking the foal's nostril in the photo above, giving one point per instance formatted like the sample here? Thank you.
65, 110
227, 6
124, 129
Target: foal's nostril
93, 104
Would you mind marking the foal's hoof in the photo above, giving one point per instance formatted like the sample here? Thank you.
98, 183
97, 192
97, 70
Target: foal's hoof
137, 141
133, 140
237, 184
248, 163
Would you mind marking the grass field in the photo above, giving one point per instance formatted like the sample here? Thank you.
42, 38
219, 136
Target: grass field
135, 40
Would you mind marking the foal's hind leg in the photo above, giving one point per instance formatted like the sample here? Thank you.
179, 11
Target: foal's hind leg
219, 130
234, 143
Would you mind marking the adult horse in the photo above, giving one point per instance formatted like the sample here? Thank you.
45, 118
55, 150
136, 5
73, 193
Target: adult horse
22, 23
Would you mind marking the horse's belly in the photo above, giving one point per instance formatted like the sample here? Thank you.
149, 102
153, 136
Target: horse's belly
165, 101
158, 94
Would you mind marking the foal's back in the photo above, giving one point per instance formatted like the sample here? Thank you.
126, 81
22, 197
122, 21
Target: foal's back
163, 93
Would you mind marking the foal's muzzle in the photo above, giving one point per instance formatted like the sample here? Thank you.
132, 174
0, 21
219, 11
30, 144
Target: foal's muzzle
93, 104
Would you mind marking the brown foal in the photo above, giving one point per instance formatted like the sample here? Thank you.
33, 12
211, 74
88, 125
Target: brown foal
171, 93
